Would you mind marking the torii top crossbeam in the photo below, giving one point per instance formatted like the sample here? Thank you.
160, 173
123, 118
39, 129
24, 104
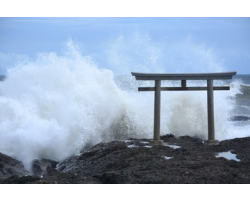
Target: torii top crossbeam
183, 78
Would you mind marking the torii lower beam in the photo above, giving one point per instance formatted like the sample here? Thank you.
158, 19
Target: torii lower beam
184, 77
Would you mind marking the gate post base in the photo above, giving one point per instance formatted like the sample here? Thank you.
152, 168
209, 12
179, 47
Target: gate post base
211, 142
156, 142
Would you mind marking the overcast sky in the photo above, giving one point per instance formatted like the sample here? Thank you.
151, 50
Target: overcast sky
229, 37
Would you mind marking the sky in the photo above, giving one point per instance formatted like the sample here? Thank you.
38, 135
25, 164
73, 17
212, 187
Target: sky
26, 33
27, 36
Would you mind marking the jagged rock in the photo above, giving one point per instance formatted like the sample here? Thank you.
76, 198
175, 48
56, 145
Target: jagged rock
43, 166
10, 166
182, 160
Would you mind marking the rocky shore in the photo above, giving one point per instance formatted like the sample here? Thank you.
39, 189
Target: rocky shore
182, 160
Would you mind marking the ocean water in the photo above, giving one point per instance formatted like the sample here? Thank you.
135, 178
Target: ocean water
55, 105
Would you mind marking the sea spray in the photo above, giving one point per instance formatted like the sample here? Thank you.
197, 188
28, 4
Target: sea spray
140, 53
55, 105
182, 113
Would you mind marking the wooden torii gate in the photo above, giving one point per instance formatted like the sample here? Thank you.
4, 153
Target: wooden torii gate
209, 77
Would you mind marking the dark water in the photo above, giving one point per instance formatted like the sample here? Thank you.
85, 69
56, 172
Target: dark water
244, 78
2, 77
242, 99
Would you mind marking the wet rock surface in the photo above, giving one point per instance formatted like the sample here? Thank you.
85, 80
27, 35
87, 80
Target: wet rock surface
10, 166
43, 166
183, 160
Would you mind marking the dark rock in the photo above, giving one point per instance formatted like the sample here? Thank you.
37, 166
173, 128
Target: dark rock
182, 160
14, 179
10, 166
43, 166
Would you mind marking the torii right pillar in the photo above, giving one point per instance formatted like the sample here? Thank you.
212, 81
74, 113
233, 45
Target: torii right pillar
210, 114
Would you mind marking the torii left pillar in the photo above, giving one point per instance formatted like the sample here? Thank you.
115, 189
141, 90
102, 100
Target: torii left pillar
157, 114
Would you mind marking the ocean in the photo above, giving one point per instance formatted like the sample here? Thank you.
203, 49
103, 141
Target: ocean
55, 105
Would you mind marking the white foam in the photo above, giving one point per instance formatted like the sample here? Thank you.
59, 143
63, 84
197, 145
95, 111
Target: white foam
147, 146
132, 146
144, 142
173, 146
55, 105
167, 158
127, 141
228, 155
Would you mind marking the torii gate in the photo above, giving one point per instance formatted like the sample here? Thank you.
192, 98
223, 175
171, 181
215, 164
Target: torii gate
183, 78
